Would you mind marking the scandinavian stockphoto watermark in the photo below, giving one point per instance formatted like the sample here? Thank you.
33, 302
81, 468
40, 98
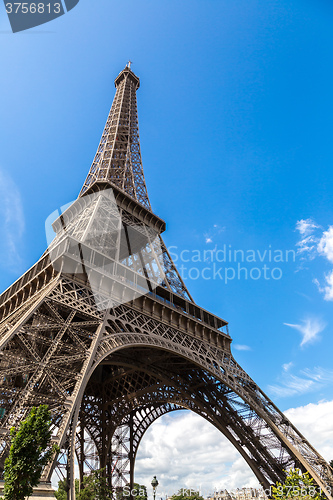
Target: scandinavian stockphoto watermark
228, 263
29, 14
285, 491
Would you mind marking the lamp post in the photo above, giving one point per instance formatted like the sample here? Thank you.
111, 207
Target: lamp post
154, 484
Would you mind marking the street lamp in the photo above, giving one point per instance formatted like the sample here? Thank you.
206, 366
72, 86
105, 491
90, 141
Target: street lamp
154, 484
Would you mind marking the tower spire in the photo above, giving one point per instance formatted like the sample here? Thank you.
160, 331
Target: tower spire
118, 157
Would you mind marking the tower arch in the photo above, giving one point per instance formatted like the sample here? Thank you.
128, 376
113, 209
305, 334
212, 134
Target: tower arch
103, 325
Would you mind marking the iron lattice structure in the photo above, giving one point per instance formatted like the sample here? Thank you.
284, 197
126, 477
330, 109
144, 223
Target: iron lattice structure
103, 330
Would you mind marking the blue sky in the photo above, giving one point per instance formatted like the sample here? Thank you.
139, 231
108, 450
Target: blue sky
235, 114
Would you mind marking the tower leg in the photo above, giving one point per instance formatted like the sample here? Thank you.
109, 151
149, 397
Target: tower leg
81, 457
131, 454
70, 464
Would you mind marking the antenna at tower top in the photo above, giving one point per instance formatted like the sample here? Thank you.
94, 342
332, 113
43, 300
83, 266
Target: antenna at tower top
129, 64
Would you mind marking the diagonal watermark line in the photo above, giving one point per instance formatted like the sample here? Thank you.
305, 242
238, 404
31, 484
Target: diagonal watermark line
63, 5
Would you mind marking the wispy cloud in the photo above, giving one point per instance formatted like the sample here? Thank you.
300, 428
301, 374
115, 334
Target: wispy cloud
293, 386
318, 374
308, 244
325, 245
286, 366
309, 329
312, 245
242, 347
307, 297
305, 381
211, 235
11, 223
306, 226
327, 288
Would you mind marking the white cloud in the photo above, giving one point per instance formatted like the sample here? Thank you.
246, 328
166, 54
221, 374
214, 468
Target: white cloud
311, 246
183, 450
325, 245
306, 226
328, 287
321, 434
310, 329
242, 347
213, 233
292, 386
286, 367
307, 246
11, 223
319, 374
295, 385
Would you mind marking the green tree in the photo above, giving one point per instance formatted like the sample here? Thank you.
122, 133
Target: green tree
298, 486
30, 451
139, 492
187, 494
94, 487
61, 493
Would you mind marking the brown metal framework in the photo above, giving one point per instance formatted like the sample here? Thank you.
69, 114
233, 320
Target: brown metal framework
104, 331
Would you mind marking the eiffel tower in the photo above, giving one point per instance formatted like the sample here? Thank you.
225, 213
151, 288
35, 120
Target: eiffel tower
104, 331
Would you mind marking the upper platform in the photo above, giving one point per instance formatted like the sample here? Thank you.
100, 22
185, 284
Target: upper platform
127, 73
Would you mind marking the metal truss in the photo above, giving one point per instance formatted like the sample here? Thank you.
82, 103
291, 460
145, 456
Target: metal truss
118, 158
170, 379
104, 331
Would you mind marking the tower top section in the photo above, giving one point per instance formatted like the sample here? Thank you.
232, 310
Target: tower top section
118, 158
127, 73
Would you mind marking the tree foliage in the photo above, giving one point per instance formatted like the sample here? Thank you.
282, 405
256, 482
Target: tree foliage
93, 487
30, 451
139, 492
187, 494
297, 486
61, 493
